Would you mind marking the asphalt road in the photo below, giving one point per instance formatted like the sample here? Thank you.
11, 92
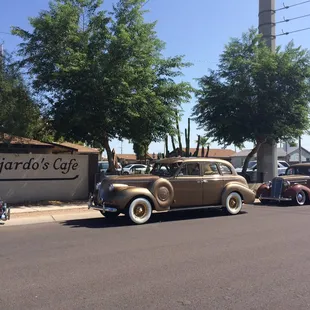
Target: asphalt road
188, 260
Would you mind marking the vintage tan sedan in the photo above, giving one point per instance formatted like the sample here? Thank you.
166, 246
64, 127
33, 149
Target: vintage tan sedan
174, 184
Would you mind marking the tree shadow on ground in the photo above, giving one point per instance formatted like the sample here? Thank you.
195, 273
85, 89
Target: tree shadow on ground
121, 221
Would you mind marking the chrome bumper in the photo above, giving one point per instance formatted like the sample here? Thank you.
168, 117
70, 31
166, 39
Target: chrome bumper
103, 208
5, 212
274, 199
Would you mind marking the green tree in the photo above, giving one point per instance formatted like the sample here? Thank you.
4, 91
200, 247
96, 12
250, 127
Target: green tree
141, 149
104, 73
255, 95
19, 112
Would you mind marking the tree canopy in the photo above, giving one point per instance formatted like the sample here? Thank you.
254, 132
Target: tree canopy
19, 112
255, 94
103, 72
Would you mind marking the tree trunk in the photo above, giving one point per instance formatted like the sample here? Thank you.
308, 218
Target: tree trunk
203, 151
250, 155
166, 146
109, 153
187, 137
173, 143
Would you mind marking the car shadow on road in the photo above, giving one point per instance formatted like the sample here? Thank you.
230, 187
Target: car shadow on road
278, 205
122, 221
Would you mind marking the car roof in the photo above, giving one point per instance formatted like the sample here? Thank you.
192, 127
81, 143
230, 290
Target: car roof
172, 160
301, 165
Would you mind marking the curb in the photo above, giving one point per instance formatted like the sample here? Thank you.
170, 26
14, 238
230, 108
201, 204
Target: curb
50, 218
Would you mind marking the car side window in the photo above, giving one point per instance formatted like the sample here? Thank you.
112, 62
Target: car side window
290, 171
225, 169
190, 169
210, 169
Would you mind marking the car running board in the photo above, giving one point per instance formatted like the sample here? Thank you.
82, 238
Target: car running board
194, 208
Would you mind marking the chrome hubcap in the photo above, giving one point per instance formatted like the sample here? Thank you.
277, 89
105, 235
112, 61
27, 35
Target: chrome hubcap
140, 210
300, 197
233, 203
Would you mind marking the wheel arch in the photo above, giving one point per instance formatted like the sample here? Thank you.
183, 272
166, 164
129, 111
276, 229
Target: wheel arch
141, 196
247, 195
293, 190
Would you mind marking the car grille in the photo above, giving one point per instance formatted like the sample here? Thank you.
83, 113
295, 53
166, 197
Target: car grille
276, 188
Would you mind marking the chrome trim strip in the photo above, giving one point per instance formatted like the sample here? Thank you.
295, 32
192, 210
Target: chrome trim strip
276, 199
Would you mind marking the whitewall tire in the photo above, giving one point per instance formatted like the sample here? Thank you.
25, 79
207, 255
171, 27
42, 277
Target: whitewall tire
140, 210
300, 198
233, 203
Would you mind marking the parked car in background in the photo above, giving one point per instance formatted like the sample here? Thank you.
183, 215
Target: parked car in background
174, 184
251, 173
103, 166
134, 169
5, 211
293, 186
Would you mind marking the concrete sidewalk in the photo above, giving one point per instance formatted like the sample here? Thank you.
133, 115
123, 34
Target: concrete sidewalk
46, 208
36, 214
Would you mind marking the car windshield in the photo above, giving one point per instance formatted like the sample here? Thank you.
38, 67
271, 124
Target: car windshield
251, 164
164, 169
303, 170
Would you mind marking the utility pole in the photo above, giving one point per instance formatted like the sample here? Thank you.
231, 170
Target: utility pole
267, 157
299, 148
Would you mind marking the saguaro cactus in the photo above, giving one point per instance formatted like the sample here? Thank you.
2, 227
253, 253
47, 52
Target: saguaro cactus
197, 148
179, 133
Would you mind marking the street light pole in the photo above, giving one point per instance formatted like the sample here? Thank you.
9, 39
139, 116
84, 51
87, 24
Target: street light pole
267, 156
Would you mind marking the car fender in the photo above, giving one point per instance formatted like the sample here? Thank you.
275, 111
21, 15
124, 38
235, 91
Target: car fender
291, 191
263, 190
122, 197
247, 194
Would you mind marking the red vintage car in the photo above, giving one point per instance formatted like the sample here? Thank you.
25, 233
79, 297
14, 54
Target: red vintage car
292, 187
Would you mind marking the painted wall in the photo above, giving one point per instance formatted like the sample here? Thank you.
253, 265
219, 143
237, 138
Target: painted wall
35, 177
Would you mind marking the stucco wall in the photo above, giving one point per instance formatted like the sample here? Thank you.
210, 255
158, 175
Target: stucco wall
294, 156
30, 177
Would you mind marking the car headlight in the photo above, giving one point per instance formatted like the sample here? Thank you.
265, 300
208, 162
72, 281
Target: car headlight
269, 183
286, 183
113, 186
98, 185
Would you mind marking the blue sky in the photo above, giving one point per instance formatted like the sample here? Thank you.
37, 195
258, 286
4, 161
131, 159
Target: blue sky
198, 29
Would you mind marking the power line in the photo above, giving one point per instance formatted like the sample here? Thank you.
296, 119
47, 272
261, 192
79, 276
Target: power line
290, 32
285, 20
292, 5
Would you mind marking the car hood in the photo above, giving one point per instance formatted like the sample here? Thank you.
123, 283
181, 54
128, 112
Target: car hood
141, 180
295, 177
